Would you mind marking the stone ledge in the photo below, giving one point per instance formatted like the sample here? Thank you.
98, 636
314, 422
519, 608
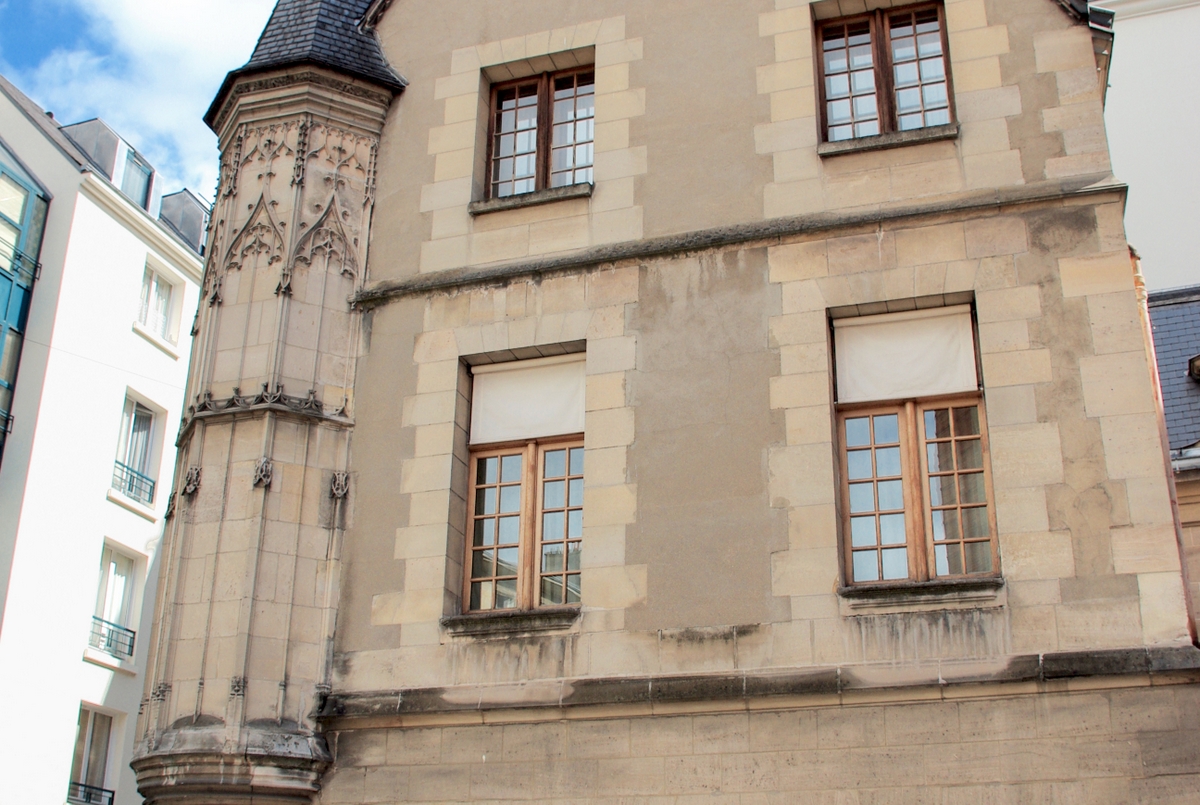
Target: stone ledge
767, 232
509, 624
744, 687
893, 139
865, 599
547, 196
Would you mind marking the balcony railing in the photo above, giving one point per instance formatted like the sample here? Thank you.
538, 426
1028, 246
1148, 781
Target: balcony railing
80, 794
111, 638
17, 263
132, 484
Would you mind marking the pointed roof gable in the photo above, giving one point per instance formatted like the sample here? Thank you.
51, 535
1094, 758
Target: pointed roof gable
325, 33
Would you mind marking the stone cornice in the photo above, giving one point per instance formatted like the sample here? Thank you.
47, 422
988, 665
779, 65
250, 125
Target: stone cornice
742, 690
765, 232
277, 79
181, 258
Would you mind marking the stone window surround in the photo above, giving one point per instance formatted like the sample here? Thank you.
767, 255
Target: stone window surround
454, 200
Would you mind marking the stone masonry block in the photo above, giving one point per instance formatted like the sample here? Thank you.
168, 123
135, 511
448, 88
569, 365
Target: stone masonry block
802, 297
1116, 324
1163, 608
426, 474
605, 391
1026, 455
801, 476
988, 237
1145, 549
610, 505
1000, 169
614, 587
1132, 445
1063, 50
1017, 368
798, 261
1096, 274
930, 244
804, 571
988, 104
613, 427
1008, 304
1118, 383
799, 328
435, 346
1004, 336
606, 355
1045, 555
1022, 510
799, 391
614, 287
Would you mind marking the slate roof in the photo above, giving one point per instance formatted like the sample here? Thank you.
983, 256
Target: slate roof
320, 32
1175, 322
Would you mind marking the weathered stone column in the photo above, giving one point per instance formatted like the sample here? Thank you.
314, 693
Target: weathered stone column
244, 622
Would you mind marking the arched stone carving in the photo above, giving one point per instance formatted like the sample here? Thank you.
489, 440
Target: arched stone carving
328, 236
261, 234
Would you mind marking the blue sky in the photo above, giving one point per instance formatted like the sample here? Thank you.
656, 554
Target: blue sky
147, 67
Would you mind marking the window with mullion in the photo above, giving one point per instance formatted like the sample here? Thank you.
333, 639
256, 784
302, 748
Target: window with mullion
884, 72
526, 527
916, 492
542, 133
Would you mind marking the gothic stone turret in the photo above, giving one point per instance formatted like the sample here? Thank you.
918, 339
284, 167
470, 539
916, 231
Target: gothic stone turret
240, 655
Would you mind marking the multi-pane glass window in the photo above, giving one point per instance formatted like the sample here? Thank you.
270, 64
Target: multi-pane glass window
89, 764
883, 72
155, 311
541, 133
136, 181
916, 492
22, 219
526, 526
132, 472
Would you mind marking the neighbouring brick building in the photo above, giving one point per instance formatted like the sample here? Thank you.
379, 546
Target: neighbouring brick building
671, 402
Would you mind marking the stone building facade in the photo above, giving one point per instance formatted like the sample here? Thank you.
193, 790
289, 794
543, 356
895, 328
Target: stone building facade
656, 280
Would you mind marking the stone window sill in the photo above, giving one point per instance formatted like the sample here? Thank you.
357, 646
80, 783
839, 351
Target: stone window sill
547, 196
868, 599
156, 340
507, 624
894, 139
106, 660
132, 505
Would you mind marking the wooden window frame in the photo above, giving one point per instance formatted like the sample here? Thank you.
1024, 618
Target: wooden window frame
545, 127
917, 506
885, 91
529, 543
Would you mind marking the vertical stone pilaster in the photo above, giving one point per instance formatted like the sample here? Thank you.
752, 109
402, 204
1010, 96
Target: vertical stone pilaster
244, 622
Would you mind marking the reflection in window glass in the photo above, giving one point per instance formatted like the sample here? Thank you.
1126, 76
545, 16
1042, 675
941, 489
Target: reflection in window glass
136, 182
12, 200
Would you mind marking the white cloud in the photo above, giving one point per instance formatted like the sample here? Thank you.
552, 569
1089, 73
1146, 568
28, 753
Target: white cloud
165, 62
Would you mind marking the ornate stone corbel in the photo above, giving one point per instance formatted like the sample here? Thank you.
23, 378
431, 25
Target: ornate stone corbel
205, 403
266, 397
170, 507
340, 485
284, 288
214, 295
191, 481
237, 686
263, 472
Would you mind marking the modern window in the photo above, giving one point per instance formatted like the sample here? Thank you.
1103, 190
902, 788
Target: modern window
89, 766
916, 479
132, 473
114, 605
22, 219
883, 72
541, 133
135, 182
525, 527
155, 311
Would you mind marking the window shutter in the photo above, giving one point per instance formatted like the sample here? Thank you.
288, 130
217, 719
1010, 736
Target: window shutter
528, 399
896, 356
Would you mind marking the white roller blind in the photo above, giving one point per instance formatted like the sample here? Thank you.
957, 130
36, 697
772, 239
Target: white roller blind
917, 353
528, 399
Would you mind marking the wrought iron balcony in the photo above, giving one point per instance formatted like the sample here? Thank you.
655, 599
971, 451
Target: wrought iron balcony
132, 484
111, 638
80, 794
18, 264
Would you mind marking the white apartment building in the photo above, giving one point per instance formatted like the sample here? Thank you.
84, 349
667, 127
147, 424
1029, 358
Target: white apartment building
97, 296
1152, 116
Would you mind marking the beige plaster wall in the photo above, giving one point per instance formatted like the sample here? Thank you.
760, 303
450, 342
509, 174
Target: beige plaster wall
707, 116
1131, 745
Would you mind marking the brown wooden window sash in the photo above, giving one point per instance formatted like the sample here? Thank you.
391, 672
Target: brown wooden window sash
916, 491
541, 133
524, 526
877, 77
